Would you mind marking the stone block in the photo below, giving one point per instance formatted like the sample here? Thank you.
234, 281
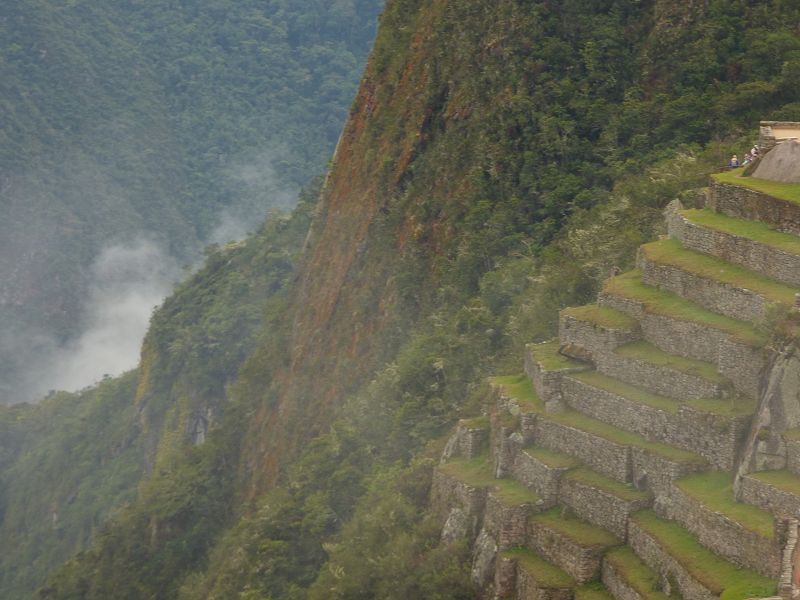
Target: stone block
593, 338
537, 475
600, 454
744, 203
769, 497
582, 562
716, 296
658, 379
663, 563
767, 260
721, 534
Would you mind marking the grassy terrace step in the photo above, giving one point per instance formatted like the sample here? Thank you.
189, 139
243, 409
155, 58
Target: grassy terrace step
602, 316
647, 352
670, 252
593, 479
664, 303
582, 533
548, 356
520, 388
552, 459
478, 473
634, 573
782, 480
775, 491
714, 490
785, 191
546, 574
719, 576
593, 591
733, 407
752, 230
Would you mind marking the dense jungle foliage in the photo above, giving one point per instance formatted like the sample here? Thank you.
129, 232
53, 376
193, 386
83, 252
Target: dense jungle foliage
161, 120
545, 140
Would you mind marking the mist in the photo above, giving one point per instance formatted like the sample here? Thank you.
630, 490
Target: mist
127, 282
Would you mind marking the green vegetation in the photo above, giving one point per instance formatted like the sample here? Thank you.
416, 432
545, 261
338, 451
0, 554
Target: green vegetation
592, 591
753, 230
481, 422
156, 120
579, 531
602, 316
714, 490
550, 359
547, 575
512, 493
520, 388
670, 252
783, 480
635, 573
776, 189
668, 304
501, 158
624, 491
647, 352
476, 472
792, 435
718, 575
615, 386
737, 406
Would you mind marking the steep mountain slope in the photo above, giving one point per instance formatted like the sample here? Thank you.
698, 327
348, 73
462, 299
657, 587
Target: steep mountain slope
499, 159
173, 123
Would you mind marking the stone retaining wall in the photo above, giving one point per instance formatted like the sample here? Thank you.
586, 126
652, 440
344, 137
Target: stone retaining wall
529, 589
616, 584
716, 296
768, 260
536, 475
505, 577
739, 362
592, 338
507, 524
658, 380
743, 203
656, 473
793, 456
715, 438
581, 562
458, 506
655, 557
601, 455
598, 507
546, 383
720, 534
756, 492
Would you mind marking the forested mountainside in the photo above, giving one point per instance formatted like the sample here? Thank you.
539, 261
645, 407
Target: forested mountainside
167, 124
499, 159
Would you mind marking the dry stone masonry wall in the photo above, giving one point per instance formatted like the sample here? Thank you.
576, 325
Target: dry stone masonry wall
605, 451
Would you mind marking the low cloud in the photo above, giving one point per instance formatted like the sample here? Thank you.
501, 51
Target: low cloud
128, 282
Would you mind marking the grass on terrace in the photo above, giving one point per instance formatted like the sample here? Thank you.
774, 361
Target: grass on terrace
783, 480
575, 529
512, 493
622, 437
476, 472
665, 303
548, 356
785, 191
637, 574
552, 459
547, 575
753, 230
593, 591
714, 490
602, 316
625, 492
670, 252
734, 407
481, 422
718, 575
521, 389
646, 352
792, 435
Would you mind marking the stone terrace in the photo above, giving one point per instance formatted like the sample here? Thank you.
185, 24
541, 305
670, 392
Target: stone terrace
608, 470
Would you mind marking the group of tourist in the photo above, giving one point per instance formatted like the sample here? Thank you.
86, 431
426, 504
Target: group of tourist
749, 157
